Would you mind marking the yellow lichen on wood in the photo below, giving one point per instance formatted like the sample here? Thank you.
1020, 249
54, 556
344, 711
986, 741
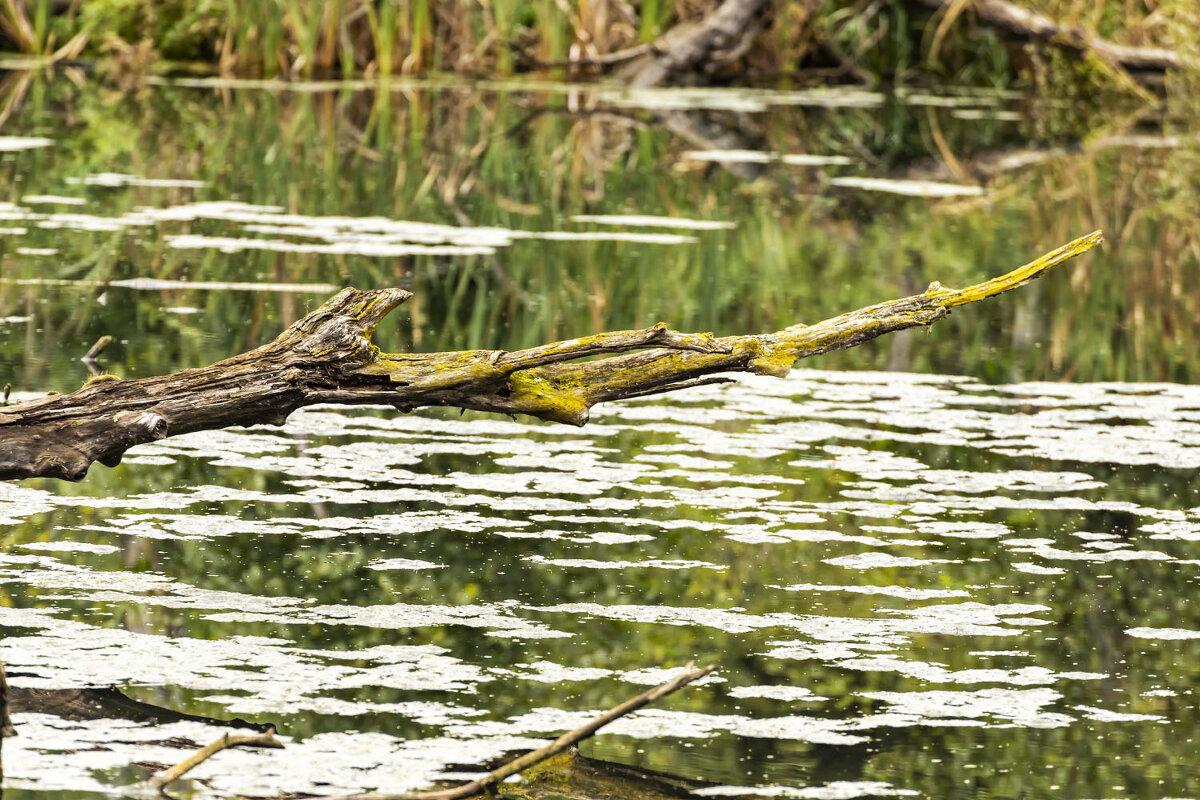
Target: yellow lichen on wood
327, 357
1018, 277
101, 378
655, 370
547, 399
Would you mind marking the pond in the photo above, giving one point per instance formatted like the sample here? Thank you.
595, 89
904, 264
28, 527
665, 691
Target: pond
946, 564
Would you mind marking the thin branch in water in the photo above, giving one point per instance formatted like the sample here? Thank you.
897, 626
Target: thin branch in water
267, 739
99, 347
89, 358
570, 739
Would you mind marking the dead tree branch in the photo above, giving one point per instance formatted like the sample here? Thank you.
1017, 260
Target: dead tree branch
160, 782
328, 357
569, 739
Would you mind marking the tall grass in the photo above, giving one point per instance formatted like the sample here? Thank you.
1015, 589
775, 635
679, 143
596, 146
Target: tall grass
860, 39
36, 36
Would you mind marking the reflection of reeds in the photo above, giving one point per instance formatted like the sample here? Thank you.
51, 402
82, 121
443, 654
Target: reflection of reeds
460, 156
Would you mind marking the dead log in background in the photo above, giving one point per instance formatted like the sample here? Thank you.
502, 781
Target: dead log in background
1031, 25
327, 357
696, 49
692, 51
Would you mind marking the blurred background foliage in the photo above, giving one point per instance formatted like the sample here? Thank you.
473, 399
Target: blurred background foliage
529, 159
862, 39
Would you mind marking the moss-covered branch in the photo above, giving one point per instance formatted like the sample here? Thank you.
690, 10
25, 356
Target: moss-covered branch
327, 357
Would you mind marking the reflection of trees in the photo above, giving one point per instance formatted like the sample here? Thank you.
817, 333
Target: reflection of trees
333, 571
1087, 618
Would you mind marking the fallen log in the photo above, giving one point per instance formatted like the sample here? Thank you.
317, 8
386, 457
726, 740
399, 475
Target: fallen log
701, 47
88, 703
328, 357
1032, 25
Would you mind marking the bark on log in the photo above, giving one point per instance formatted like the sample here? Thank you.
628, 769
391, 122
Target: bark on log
700, 47
1032, 25
327, 357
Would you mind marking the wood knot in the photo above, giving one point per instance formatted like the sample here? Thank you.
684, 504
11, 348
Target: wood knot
153, 425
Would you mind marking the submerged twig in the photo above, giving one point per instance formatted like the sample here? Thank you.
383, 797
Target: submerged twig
89, 358
95, 350
267, 739
560, 744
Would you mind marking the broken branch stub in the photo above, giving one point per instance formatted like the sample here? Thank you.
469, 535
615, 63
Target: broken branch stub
328, 357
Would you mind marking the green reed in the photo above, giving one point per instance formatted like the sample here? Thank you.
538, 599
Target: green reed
859, 40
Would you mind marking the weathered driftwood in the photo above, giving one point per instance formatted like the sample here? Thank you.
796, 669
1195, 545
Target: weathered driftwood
327, 357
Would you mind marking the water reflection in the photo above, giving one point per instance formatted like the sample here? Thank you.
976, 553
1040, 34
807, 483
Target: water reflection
461, 587
912, 583
496, 204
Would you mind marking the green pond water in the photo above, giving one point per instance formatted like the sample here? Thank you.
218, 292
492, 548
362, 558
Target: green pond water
954, 564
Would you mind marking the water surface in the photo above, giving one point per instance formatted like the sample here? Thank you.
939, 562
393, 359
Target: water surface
957, 564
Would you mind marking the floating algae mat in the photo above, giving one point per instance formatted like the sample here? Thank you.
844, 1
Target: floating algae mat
897, 606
